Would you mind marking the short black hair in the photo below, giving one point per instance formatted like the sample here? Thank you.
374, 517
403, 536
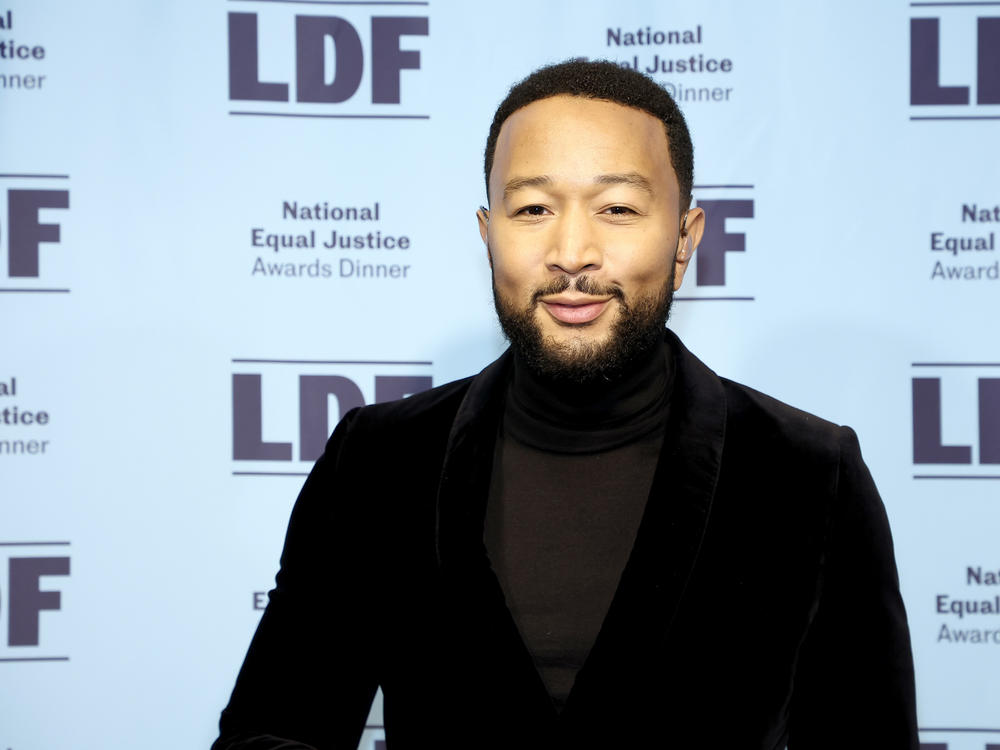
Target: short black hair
608, 81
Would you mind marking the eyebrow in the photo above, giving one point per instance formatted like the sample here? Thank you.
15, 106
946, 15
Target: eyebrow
519, 183
634, 179
626, 178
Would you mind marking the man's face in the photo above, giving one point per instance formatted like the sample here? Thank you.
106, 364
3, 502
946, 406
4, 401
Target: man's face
583, 233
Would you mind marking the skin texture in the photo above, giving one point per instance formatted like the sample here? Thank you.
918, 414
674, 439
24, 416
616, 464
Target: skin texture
584, 219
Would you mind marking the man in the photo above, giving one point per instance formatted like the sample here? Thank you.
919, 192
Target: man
596, 542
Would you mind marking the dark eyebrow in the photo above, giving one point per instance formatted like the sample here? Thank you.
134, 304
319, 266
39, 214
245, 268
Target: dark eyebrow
629, 178
518, 183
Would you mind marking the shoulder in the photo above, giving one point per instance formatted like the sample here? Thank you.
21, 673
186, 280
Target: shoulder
768, 416
752, 422
442, 398
806, 472
436, 408
772, 432
389, 454
425, 417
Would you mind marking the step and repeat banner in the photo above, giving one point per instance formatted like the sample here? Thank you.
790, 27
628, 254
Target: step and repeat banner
225, 223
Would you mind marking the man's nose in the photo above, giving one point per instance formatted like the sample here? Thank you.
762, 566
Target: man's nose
575, 244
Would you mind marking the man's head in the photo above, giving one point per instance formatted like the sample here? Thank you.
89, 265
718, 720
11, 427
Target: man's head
611, 83
589, 172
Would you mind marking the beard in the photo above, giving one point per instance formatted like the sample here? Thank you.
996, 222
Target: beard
637, 328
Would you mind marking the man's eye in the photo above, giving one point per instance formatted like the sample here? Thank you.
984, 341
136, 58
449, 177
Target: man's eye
619, 210
531, 211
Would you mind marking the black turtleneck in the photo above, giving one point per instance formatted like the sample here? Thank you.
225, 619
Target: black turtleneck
571, 475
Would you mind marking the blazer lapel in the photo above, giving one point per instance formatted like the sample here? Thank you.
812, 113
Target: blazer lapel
494, 665
668, 539
463, 488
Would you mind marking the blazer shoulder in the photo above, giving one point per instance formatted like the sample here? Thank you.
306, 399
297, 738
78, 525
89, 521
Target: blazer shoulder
435, 404
409, 434
760, 417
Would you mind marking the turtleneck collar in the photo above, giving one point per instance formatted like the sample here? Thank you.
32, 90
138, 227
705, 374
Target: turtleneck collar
569, 418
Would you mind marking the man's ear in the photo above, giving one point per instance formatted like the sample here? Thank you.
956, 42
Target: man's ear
687, 243
483, 217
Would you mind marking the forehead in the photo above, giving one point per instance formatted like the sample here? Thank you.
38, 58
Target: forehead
572, 138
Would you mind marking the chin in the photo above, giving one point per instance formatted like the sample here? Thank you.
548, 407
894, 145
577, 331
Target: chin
567, 341
601, 350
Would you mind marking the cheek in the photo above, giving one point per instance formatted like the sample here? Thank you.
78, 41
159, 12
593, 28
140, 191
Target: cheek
510, 281
514, 273
645, 264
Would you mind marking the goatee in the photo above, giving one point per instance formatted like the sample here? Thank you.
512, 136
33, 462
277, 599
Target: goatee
637, 328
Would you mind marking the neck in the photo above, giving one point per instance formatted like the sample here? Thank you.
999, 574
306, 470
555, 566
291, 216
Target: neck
563, 417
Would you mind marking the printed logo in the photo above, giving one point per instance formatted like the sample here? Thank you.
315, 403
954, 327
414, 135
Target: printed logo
26, 56
971, 613
676, 58
23, 427
31, 225
285, 410
719, 273
966, 251
955, 64
317, 240
30, 595
956, 419
353, 64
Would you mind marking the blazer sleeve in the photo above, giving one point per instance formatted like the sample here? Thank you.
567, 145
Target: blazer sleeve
854, 682
308, 679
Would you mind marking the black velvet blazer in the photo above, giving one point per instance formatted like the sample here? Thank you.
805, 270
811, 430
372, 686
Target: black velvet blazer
759, 607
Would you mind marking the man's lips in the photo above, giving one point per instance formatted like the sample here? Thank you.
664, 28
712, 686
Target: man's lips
574, 310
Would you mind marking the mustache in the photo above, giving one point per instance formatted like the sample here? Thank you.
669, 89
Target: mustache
583, 284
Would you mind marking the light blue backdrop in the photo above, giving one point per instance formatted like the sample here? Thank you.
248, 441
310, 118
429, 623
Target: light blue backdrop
153, 322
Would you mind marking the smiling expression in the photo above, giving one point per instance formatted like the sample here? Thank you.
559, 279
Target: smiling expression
585, 220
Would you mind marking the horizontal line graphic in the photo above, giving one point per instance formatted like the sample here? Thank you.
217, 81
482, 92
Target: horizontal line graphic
34, 176
713, 187
11, 290
713, 299
955, 364
331, 116
948, 5
34, 544
34, 658
337, 2
960, 729
328, 362
956, 117
270, 473
956, 476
